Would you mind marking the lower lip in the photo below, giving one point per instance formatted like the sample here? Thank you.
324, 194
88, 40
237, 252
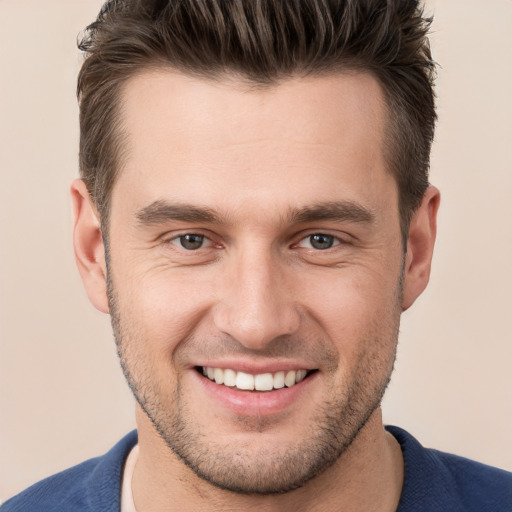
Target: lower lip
256, 403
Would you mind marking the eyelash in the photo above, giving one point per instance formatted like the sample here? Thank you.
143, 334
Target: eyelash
334, 241
178, 240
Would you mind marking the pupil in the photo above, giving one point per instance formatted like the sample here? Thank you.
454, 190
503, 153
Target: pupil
321, 241
191, 241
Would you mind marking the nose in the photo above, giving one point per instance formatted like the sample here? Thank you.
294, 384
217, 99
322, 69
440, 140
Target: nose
256, 306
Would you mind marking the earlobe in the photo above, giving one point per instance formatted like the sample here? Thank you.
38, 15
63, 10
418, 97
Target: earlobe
88, 246
420, 247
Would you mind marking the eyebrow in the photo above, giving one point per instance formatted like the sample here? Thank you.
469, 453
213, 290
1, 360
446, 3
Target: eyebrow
161, 211
340, 211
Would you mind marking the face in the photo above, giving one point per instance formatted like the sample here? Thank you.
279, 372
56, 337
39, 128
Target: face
255, 271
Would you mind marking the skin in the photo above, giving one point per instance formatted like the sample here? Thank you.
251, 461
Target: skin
257, 293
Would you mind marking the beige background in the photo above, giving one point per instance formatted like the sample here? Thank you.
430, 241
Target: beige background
63, 398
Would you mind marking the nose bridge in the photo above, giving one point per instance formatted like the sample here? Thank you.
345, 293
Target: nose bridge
257, 306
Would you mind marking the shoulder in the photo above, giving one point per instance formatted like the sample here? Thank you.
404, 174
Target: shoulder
436, 480
90, 486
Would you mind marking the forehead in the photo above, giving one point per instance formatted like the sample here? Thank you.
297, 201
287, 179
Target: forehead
190, 138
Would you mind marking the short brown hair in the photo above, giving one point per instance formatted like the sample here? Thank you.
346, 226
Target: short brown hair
263, 41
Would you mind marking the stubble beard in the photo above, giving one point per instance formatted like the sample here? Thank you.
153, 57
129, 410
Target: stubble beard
336, 422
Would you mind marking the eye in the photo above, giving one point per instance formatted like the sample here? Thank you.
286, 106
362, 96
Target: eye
189, 241
319, 241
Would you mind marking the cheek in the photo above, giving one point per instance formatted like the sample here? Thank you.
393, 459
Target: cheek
354, 305
360, 318
163, 306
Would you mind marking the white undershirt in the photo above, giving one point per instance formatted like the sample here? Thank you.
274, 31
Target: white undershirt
127, 504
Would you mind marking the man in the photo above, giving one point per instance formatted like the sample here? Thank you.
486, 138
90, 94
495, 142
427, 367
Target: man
254, 213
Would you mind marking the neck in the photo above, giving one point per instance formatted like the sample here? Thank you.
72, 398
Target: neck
367, 477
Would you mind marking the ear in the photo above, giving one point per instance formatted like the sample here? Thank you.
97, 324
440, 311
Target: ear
420, 247
88, 245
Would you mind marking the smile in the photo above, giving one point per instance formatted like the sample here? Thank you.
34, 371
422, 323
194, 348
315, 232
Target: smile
249, 382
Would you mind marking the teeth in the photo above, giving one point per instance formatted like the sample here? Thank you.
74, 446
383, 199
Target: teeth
264, 382
260, 382
289, 379
229, 378
218, 375
278, 380
300, 375
244, 381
